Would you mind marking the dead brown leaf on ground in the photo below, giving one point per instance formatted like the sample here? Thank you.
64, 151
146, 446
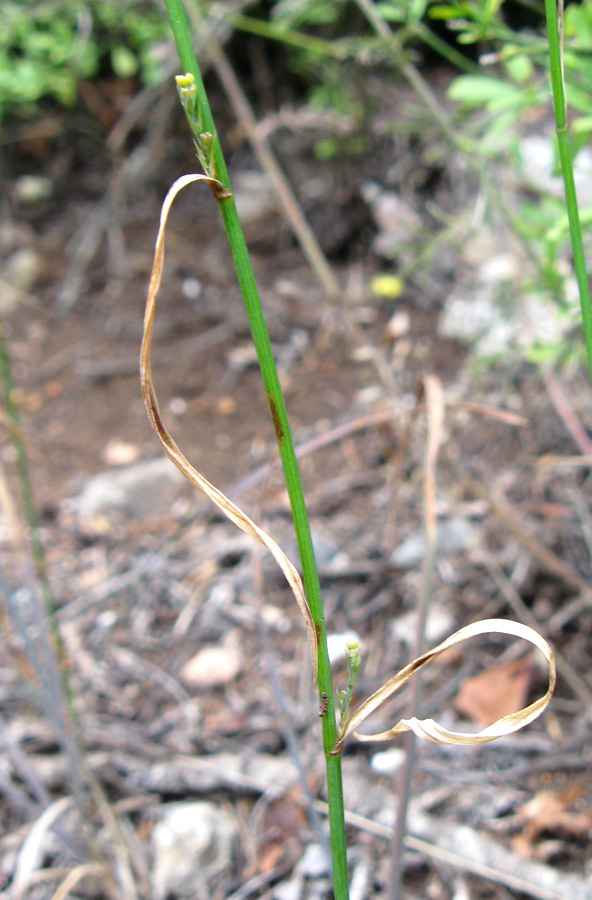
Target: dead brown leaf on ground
496, 692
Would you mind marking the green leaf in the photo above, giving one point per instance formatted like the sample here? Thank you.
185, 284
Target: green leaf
582, 126
123, 61
520, 68
447, 12
391, 12
579, 98
480, 90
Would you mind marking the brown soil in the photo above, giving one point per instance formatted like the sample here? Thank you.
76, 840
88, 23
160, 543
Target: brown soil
138, 597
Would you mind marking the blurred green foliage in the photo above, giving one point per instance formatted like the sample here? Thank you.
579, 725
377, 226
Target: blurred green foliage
48, 46
497, 52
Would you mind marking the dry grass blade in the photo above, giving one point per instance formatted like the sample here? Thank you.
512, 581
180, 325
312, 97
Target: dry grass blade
435, 409
73, 877
428, 729
219, 499
31, 852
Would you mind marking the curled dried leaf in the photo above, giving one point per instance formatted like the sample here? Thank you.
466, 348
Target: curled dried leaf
230, 510
428, 729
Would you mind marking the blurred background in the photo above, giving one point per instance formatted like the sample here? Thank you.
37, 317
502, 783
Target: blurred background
394, 168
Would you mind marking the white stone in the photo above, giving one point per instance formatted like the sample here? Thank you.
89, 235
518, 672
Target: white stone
466, 319
32, 188
314, 863
398, 223
137, 490
399, 325
254, 196
120, 453
387, 762
289, 890
440, 624
193, 843
23, 269
453, 535
499, 268
191, 288
336, 644
538, 168
212, 667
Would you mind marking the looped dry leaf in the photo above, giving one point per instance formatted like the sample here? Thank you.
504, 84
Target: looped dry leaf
230, 510
428, 729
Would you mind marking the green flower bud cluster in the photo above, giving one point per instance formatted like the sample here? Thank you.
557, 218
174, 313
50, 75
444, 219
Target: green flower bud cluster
203, 140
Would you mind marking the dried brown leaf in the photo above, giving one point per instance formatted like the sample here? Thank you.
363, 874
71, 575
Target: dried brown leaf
230, 510
495, 693
428, 729
550, 812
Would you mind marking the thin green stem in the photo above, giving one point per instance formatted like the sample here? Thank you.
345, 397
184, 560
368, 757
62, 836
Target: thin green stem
565, 157
64, 712
27, 493
443, 49
286, 448
297, 39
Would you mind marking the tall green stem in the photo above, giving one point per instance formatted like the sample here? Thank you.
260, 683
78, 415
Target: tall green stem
279, 417
559, 103
18, 443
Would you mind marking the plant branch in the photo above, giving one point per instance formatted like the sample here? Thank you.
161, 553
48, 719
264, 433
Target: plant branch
555, 36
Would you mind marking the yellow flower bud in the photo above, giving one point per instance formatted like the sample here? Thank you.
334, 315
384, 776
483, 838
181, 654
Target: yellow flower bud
185, 81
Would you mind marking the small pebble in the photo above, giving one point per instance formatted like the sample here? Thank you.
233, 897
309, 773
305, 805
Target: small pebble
212, 667
388, 761
23, 269
399, 325
30, 189
106, 619
120, 453
336, 644
288, 890
178, 406
314, 862
191, 288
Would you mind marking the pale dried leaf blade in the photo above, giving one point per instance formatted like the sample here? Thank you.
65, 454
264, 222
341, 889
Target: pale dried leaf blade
428, 729
232, 512
30, 856
435, 411
76, 875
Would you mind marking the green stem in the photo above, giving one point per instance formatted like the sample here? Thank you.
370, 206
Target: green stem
279, 416
27, 494
565, 157
65, 715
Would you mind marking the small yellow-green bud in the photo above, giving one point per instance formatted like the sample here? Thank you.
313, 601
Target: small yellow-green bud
185, 81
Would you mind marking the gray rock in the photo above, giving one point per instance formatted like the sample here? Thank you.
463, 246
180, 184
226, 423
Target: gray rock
314, 862
289, 890
539, 168
454, 535
479, 319
468, 319
398, 223
271, 771
203, 774
254, 196
135, 491
192, 844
